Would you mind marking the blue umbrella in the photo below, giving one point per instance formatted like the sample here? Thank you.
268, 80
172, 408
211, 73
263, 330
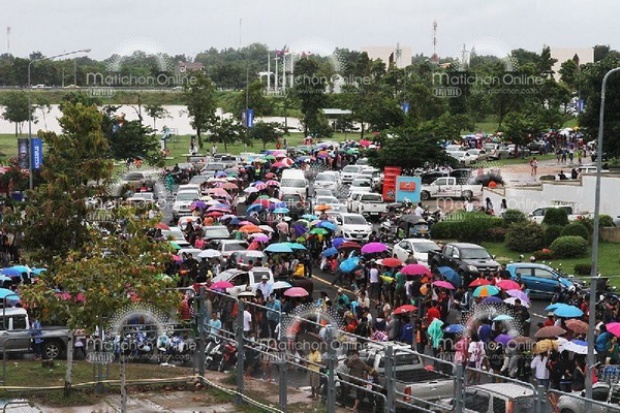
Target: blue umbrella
336, 242
22, 268
503, 317
554, 306
309, 217
450, 275
299, 230
255, 207
454, 329
281, 211
568, 311
295, 245
5, 292
349, 264
221, 174
234, 221
281, 247
330, 252
38, 271
492, 300
11, 272
327, 225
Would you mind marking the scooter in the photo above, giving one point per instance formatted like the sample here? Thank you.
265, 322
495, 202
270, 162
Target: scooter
213, 353
229, 356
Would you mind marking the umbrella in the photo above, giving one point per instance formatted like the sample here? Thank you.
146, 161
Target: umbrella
512, 301
254, 207
322, 207
11, 272
273, 183
550, 332
174, 245
337, 242
260, 186
349, 245
454, 329
330, 252
435, 332
278, 285
295, 245
577, 326
415, 269
250, 190
478, 282
280, 164
508, 285
391, 262
328, 225
576, 346
319, 231
544, 346
450, 275
260, 237
555, 306
503, 339
270, 175
486, 291
162, 226
230, 185
255, 254
281, 211
309, 217
5, 292
405, 309
503, 317
221, 285
443, 284
373, 247
269, 157
568, 311
296, 292
349, 264
209, 254
279, 248
492, 300
613, 328
250, 229
521, 295
266, 228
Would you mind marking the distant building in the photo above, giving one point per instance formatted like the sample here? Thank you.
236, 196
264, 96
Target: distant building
185, 67
562, 54
400, 55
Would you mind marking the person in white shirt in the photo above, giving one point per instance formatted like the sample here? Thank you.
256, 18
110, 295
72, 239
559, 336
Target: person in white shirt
264, 286
419, 210
247, 322
375, 282
541, 372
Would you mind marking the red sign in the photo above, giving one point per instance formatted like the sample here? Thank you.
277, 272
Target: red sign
390, 174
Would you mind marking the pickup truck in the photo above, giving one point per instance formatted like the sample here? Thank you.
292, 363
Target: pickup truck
16, 335
602, 393
541, 280
371, 206
412, 377
468, 260
496, 397
449, 187
538, 215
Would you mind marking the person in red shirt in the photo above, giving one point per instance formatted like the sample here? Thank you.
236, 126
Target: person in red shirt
432, 313
550, 320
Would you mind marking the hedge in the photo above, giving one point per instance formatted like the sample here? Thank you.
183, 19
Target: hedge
511, 216
569, 247
577, 229
525, 237
552, 232
468, 227
555, 216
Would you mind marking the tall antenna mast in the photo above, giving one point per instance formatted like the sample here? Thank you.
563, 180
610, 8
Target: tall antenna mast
8, 40
435, 58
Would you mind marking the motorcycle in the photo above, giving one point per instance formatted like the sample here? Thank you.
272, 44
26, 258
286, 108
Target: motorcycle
172, 347
213, 353
229, 356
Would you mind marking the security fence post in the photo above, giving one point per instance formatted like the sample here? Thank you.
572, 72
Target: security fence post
389, 379
200, 333
282, 385
331, 367
540, 399
459, 372
240, 351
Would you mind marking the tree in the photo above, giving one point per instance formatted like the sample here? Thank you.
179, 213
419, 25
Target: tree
310, 86
201, 103
226, 131
569, 72
266, 132
256, 101
156, 111
16, 109
130, 139
601, 52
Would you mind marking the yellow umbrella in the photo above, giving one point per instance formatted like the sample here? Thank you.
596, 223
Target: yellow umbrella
545, 345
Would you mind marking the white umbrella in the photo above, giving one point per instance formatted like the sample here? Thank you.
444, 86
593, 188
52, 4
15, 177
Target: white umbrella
266, 228
278, 285
209, 254
250, 189
255, 254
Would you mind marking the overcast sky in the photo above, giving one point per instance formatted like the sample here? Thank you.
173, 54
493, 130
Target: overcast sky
191, 26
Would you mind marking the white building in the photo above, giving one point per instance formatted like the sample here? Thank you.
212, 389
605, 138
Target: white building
585, 54
401, 55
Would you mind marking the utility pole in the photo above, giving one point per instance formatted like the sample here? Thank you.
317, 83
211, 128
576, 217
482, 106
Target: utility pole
268, 71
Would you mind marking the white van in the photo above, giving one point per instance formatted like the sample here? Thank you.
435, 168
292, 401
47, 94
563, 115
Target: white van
294, 180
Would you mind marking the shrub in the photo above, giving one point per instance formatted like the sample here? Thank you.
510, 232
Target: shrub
511, 216
569, 247
606, 221
577, 229
497, 234
583, 269
555, 216
547, 178
551, 233
525, 237
587, 223
445, 230
543, 255
471, 227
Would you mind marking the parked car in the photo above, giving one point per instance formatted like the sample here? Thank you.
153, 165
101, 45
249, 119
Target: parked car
449, 188
538, 215
608, 393
295, 202
361, 185
350, 172
328, 180
215, 233
332, 201
175, 234
480, 154
540, 279
464, 158
371, 206
182, 203
468, 260
417, 248
243, 280
227, 246
496, 397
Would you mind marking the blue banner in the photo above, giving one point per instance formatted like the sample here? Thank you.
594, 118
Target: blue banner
408, 188
36, 153
249, 118
405, 107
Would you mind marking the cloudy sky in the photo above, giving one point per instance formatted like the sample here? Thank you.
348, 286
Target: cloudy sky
190, 26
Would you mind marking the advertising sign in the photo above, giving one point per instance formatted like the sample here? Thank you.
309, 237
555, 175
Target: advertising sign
389, 182
408, 188
36, 153
23, 153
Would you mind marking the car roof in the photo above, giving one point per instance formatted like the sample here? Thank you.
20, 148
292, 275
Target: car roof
512, 390
9, 311
419, 241
466, 245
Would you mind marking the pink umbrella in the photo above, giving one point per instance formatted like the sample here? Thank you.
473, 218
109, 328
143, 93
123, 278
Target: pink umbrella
613, 328
260, 237
443, 284
280, 164
177, 258
296, 292
260, 186
373, 247
415, 269
221, 285
508, 285
273, 183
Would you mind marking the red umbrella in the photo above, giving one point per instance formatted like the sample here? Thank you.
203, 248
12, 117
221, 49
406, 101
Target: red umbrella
508, 285
415, 269
215, 214
443, 284
221, 285
270, 175
391, 262
550, 332
296, 292
479, 281
405, 309
349, 245
578, 326
162, 226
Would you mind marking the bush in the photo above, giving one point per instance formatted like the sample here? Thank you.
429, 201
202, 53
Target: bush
466, 227
587, 223
569, 247
556, 216
552, 232
606, 221
445, 230
547, 178
511, 216
526, 237
543, 255
577, 229
497, 234
583, 269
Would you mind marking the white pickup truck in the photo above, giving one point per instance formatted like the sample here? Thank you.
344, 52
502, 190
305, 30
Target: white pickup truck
371, 206
448, 187
538, 215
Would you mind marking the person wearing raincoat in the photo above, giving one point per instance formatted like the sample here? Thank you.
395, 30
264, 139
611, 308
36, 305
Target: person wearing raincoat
435, 333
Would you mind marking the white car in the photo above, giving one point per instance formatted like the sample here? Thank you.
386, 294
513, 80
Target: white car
175, 234
350, 172
373, 174
361, 185
418, 247
243, 280
464, 158
182, 203
327, 180
352, 201
480, 154
332, 201
228, 246
353, 227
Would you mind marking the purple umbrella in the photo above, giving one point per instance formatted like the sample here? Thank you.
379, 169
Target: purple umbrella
373, 247
198, 205
492, 300
336, 242
518, 294
503, 339
299, 230
221, 174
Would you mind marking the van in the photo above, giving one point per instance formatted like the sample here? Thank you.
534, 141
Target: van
294, 180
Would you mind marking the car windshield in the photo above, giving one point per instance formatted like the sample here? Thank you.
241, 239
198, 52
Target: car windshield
214, 232
187, 196
293, 183
291, 198
215, 167
321, 191
361, 182
234, 246
175, 233
351, 168
326, 200
457, 154
354, 220
425, 247
325, 178
475, 254
143, 195
134, 176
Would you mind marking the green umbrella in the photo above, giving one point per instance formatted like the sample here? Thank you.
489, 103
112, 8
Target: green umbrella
164, 277
175, 245
319, 231
263, 197
352, 151
269, 157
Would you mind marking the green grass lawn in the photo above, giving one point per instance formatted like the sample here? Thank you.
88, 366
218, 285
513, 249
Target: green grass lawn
609, 259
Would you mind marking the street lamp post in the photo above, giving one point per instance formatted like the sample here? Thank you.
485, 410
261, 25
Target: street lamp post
595, 236
30, 105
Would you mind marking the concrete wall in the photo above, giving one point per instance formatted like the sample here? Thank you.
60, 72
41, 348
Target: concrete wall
610, 234
579, 195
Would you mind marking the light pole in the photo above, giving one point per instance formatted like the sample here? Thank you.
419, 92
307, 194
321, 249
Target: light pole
595, 236
30, 105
